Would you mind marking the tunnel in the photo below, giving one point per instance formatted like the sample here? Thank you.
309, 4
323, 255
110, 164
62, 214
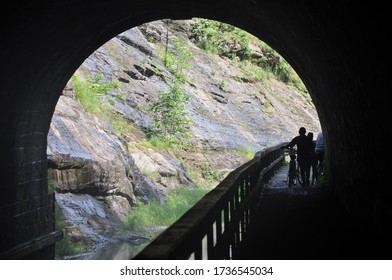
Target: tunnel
43, 43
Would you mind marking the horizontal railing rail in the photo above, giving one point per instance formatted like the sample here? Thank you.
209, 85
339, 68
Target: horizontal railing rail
215, 226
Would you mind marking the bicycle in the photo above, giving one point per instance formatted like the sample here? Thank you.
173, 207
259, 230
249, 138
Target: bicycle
294, 172
291, 174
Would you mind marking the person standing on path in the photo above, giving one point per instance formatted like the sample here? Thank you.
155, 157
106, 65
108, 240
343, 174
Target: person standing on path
304, 147
313, 158
319, 149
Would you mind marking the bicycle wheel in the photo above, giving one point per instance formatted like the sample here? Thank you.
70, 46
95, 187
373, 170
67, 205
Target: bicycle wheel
299, 177
291, 175
289, 181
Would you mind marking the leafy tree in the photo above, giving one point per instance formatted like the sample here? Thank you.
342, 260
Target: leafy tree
170, 115
177, 59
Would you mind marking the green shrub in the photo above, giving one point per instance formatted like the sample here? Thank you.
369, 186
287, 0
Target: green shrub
120, 96
86, 91
69, 246
177, 60
232, 42
85, 95
170, 115
246, 152
155, 213
221, 38
209, 173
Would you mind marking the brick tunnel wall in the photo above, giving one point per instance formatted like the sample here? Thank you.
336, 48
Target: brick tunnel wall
27, 208
43, 44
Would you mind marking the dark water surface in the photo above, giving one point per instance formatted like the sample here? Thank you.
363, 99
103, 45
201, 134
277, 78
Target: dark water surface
111, 251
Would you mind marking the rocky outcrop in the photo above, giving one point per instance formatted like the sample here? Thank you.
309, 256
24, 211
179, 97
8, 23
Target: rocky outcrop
96, 177
165, 170
85, 157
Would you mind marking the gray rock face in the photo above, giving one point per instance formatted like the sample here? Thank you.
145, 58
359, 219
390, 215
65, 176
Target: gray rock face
84, 157
96, 177
167, 172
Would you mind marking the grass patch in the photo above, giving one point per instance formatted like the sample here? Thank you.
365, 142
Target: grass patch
85, 94
87, 91
157, 142
120, 124
155, 213
68, 245
209, 173
245, 151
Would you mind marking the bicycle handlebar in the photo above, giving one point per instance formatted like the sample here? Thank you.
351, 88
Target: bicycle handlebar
290, 149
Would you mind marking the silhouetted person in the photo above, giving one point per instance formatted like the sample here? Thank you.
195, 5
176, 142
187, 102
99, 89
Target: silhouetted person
313, 157
304, 146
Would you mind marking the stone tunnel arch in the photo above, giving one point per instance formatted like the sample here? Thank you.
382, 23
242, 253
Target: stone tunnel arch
44, 44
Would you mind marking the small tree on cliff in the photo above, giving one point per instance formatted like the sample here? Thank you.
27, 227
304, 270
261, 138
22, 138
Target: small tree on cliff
170, 116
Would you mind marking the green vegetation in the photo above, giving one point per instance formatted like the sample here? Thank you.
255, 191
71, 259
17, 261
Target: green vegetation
222, 84
154, 141
68, 247
232, 42
245, 151
267, 105
209, 173
253, 72
196, 176
177, 60
155, 213
120, 123
120, 96
85, 95
87, 91
170, 115
221, 38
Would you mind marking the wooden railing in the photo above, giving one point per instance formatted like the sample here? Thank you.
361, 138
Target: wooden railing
215, 226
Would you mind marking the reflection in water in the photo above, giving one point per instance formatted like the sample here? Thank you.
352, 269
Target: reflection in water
112, 251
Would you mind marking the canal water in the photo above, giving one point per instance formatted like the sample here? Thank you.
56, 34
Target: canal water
111, 251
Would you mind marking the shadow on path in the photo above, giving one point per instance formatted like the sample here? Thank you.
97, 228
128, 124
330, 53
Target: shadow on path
302, 224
